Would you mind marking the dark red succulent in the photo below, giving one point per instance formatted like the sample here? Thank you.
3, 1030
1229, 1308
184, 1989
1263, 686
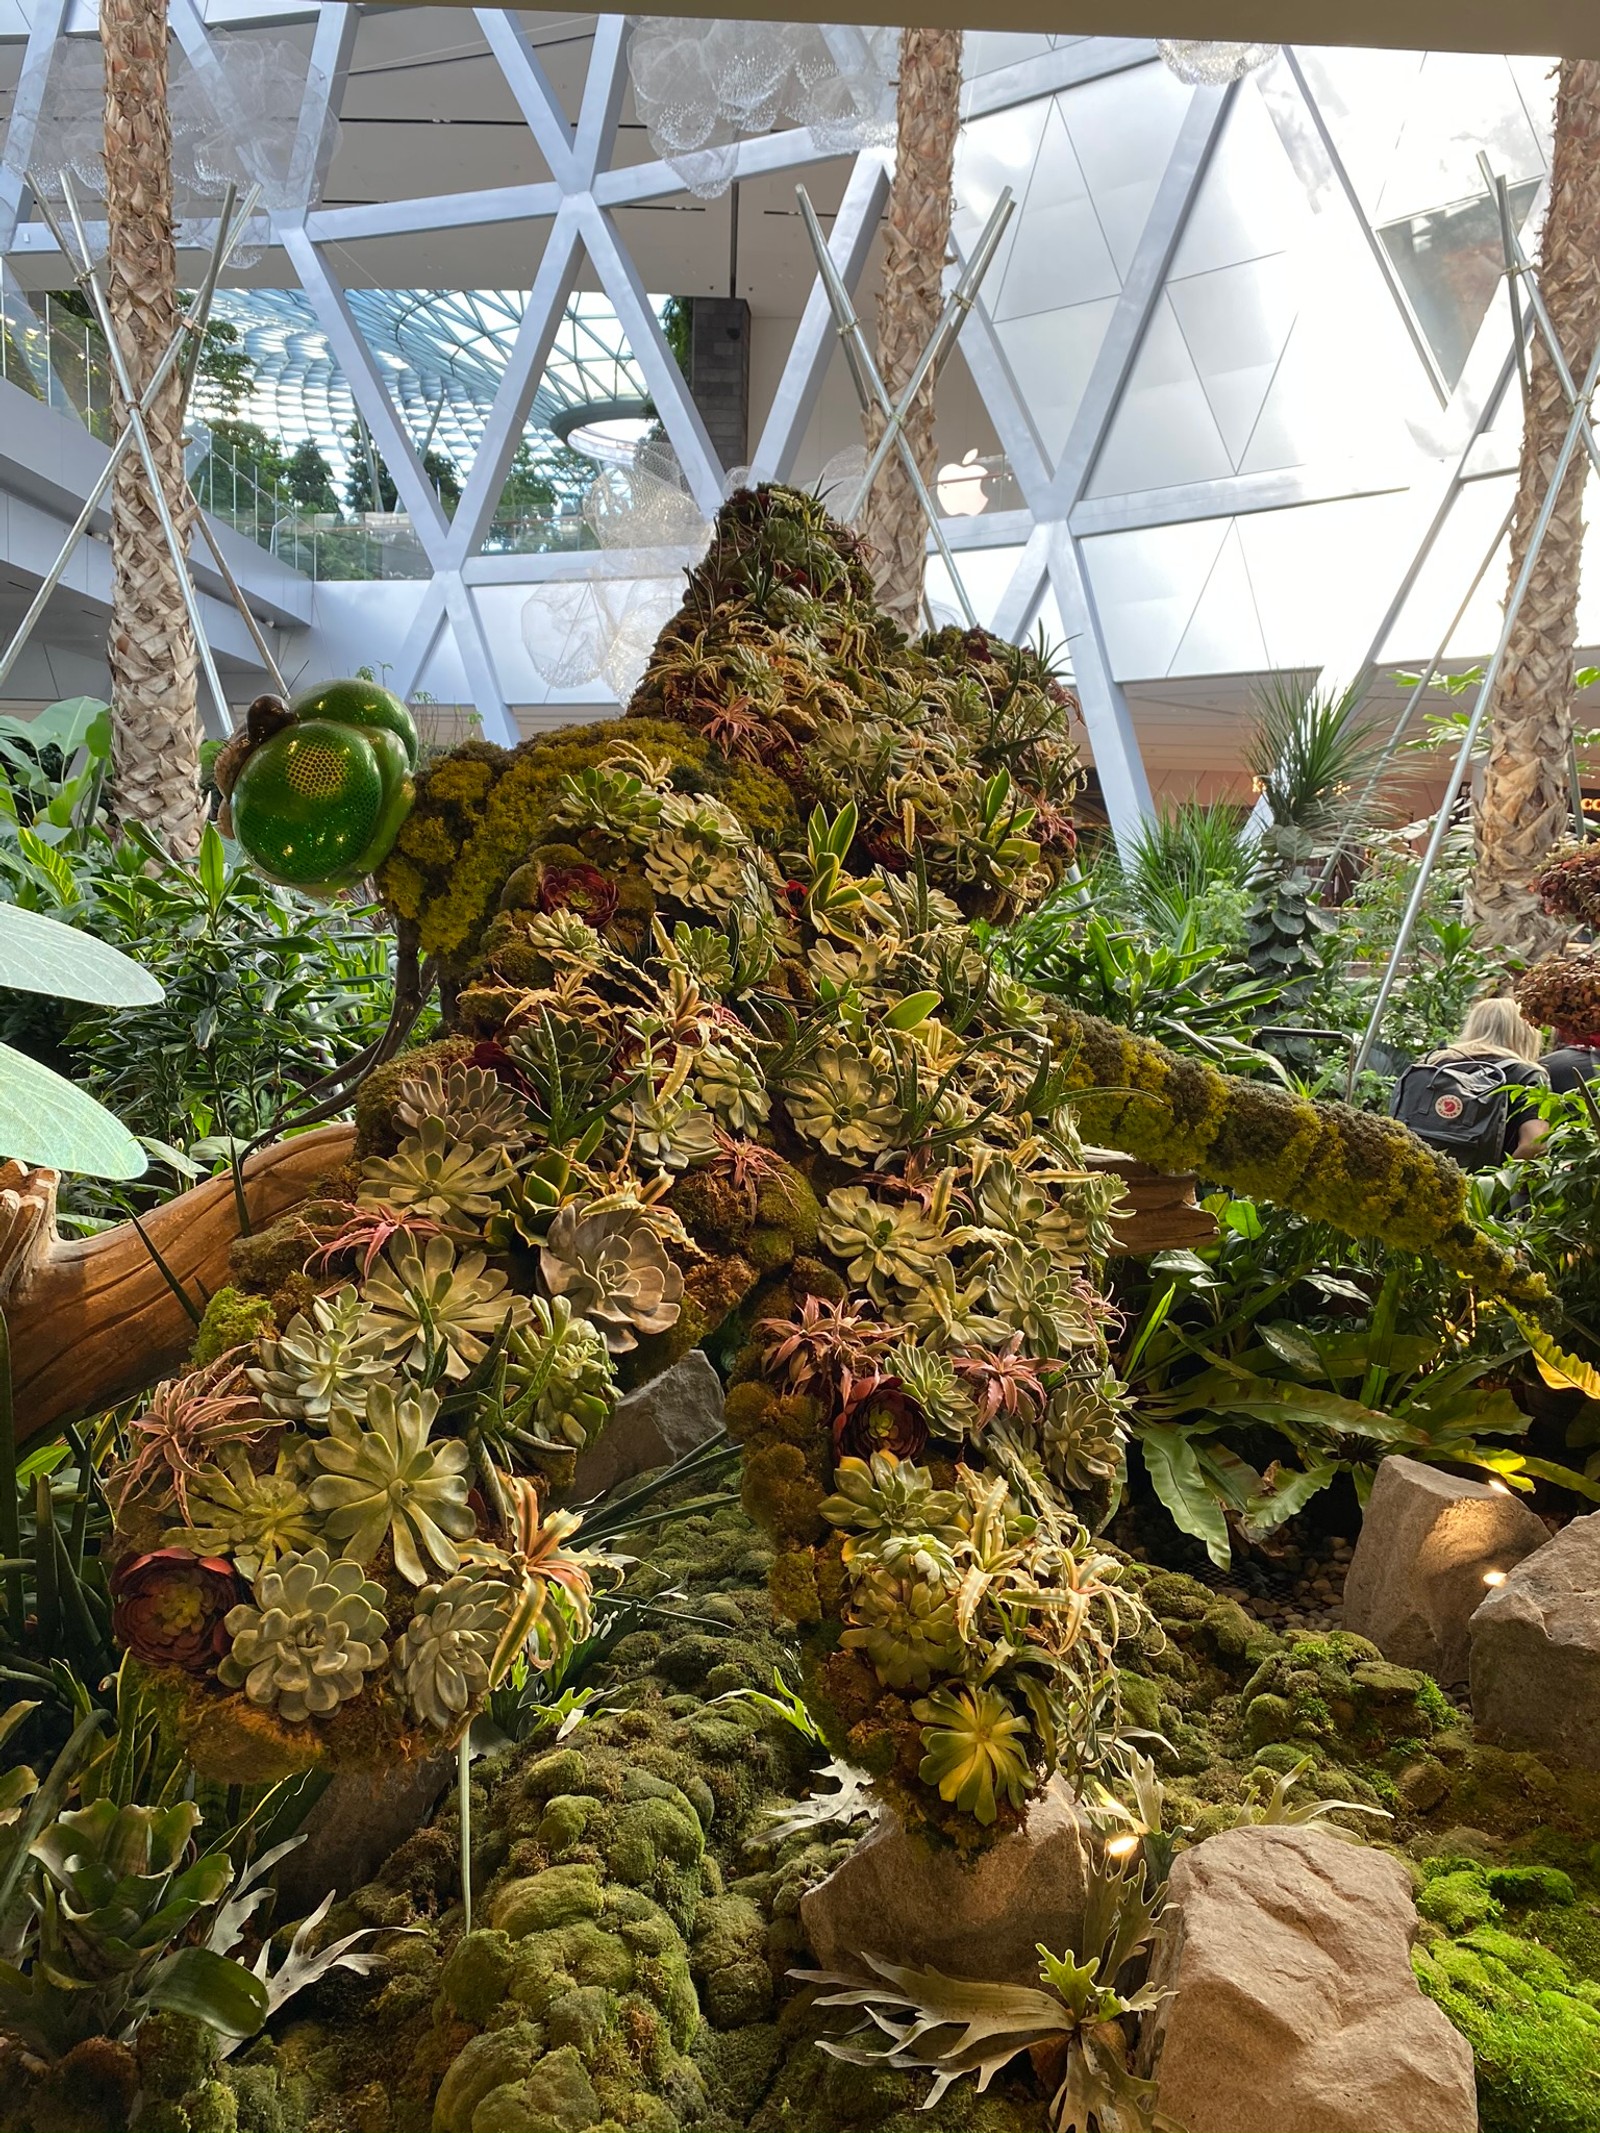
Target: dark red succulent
580, 888
883, 1421
169, 1608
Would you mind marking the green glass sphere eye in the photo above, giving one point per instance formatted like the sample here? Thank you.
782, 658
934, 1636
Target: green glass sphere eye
308, 802
360, 703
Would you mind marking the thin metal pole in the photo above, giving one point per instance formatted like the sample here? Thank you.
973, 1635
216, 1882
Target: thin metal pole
1508, 244
237, 594
193, 325
1419, 889
932, 360
1391, 746
89, 281
869, 387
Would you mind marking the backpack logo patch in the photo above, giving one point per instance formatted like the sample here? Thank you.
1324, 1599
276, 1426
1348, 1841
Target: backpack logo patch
1448, 1107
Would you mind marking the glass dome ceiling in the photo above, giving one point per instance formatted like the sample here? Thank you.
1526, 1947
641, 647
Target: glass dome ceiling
442, 354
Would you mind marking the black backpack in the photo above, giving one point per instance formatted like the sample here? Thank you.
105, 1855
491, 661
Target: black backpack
1458, 1106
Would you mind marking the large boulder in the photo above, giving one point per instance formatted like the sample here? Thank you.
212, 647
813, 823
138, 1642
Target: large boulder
356, 1821
1428, 1541
1536, 1650
666, 1418
1294, 2008
900, 1897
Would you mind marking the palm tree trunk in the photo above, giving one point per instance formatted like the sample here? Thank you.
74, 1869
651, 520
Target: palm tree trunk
155, 762
1526, 801
917, 231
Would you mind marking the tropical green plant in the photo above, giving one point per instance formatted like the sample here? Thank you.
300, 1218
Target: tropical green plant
99, 1943
1173, 987
261, 993
1184, 870
1077, 2029
53, 769
1270, 1363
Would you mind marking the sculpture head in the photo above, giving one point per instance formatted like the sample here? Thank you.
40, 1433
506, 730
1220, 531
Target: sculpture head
315, 791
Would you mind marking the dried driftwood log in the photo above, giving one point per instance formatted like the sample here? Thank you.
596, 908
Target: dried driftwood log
94, 1319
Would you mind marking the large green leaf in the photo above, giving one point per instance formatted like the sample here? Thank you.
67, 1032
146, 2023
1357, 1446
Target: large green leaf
1289, 1493
1175, 1476
49, 1125
39, 954
1280, 1400
212, 1989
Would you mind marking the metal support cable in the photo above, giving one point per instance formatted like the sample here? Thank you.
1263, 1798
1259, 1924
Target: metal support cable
1419, 889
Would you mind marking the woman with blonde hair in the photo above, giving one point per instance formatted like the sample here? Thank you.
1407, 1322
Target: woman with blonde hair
1474, 1100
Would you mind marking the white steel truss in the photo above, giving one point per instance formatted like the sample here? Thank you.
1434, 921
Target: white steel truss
577, 206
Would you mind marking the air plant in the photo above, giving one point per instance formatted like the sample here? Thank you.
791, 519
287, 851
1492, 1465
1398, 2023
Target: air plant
367, 1235
831, 1349
1076, 2030
186, 1424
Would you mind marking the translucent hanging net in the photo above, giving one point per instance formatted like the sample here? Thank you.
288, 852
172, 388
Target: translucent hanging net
236, 119
606, 627
1209, 66
702, 87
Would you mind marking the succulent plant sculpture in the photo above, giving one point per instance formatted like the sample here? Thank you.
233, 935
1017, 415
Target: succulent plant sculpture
723, 1063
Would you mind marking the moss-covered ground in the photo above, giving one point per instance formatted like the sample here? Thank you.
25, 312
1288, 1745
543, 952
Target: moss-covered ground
634, 1925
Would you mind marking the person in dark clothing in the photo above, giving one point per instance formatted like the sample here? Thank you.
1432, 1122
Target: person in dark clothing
1497, 1032
1576, 1058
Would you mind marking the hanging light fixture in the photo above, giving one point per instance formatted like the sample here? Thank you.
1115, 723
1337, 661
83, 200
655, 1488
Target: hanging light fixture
1204, 65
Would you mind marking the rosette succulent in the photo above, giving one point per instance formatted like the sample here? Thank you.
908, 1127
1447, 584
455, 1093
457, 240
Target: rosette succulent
435, 1175
308, 1639
843, 1102
169, 1608
477, 1109
732, 1087
703, 876
893, 1514
947, 1310
905, 1627
1052, 1309
431, 1306
254, 1517
974, 1749
706, 820
321, 1361
613, 1269
442, 1663
559, 1381
390, 1482
671, 1133
928, 1378
618, 796
1081, 1434
888, 1248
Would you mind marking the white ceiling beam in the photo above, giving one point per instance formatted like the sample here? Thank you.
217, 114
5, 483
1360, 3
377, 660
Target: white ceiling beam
1066, 67
547, 302
528, 82
444, 211
667, 386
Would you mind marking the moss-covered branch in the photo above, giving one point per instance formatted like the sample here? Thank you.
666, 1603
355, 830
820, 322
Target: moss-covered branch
1361, 1173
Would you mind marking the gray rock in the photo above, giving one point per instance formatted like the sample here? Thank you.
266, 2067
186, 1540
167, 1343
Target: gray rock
653, 1426
1536, 1650
1427, 1540
357, 1820
1294, 2008
897, 1896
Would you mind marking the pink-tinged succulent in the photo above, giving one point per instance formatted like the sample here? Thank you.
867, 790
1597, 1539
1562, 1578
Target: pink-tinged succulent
169, 1608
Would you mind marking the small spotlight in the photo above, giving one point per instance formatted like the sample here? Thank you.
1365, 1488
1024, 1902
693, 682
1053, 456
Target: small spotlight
1499, 1488
1494, 1577
1122, 1847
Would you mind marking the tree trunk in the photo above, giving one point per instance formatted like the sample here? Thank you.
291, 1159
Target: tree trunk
917, 231
155, 763
1526, 797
